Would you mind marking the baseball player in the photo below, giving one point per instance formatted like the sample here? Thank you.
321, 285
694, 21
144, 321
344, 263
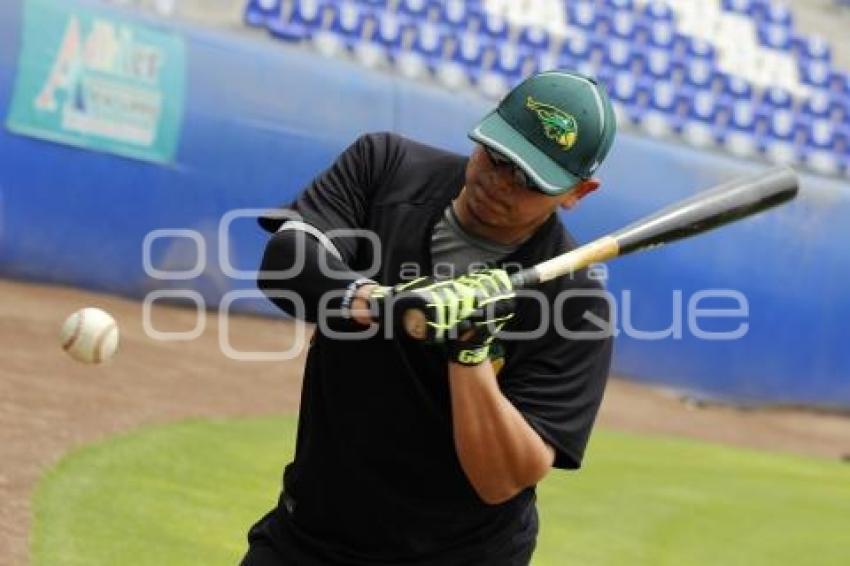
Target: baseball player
428, 452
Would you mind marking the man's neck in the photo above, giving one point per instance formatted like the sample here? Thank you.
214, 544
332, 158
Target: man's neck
510, 236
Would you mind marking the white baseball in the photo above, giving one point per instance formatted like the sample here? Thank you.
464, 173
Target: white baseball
90, 335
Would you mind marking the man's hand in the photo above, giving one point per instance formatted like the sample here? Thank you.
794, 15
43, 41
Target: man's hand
472, 347
445, 304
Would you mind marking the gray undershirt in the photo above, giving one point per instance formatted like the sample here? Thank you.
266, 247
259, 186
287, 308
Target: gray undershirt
454, 250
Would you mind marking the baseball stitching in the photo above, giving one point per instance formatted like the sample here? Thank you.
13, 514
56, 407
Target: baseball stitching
98, 344
78, 328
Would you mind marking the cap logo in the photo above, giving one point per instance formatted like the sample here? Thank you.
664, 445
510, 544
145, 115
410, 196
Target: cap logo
558, 126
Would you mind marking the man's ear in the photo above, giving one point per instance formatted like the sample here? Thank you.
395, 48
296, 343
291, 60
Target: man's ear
578, 192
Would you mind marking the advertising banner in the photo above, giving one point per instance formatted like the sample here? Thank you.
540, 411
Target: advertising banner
88, 79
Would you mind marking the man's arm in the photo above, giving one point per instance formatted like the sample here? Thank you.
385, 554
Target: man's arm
499, 451
311, 283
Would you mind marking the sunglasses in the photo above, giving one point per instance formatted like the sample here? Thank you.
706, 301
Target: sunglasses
520, 176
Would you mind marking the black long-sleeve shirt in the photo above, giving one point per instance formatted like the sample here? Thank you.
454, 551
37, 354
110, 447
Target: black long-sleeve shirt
376, 479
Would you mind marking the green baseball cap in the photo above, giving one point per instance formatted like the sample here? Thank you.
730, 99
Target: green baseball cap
557, 126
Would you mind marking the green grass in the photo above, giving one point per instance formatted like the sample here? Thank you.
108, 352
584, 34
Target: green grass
186, 494
164, 496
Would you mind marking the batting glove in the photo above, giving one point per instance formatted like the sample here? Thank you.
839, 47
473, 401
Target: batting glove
478, 331
444, 303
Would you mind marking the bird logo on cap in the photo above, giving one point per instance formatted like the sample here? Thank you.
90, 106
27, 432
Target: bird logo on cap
558, 126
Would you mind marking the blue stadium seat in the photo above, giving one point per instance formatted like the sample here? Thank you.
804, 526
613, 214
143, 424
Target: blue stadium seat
641, 34
776, 13
820, 148
349, 21
453, 13
618, 55
774, 36
603, 76
815, 73
662, 34
783, 125
700, 49
821, 135
624, 88
839, 83
375, 5
807, 47
703, 109
658, 10
680, 46
707, 107
818, 105
840, 110
411, 65
629, 95
535, 61
534, 38
310, 12
451, 75
667, 107
743, 116
621, 5
547, 61
578, 47
746, 7
700, 73
842, 140
764, 112
737, 88
739, 134
416, 9
492, 84
430, 40
780, 151
777, 97
818, 48
624, 25
583, 15
470, 49
389, 30
659, 63
510, 60
607, 80
305, 17
495, 26
259, 12
823, 161
802, 128
475, 15
665, 97
563, 60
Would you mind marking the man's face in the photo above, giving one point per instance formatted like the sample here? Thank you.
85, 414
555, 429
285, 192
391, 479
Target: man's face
495, 197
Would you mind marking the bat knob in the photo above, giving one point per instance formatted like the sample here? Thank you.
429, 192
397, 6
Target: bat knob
415, 323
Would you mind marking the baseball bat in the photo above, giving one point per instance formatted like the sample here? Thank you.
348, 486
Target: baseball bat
707, 210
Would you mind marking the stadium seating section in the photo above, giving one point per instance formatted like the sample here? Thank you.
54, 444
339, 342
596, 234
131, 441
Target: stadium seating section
729, 74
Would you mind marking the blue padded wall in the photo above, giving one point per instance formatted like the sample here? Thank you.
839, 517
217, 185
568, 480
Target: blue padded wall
261, 119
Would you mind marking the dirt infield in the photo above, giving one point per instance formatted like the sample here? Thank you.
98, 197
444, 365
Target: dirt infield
50, 404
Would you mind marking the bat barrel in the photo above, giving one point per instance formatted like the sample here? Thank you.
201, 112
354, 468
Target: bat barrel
709, 209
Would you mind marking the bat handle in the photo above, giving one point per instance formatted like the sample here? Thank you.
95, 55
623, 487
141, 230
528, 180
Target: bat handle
525, 278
